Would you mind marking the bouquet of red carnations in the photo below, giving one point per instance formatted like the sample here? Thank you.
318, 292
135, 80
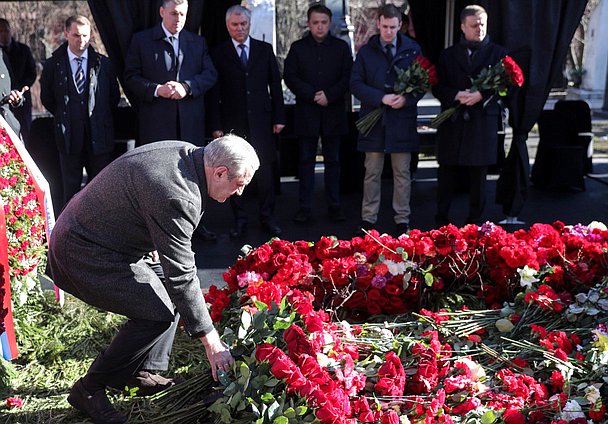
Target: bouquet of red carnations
416, 79
497, 78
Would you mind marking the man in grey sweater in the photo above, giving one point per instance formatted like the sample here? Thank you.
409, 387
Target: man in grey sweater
123, 244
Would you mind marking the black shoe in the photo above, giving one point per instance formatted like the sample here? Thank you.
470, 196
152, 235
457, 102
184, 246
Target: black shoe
149, 384
401, 228
96, 405
204, 234
336, 215
239, 230
364, 225
303, 215
272, 228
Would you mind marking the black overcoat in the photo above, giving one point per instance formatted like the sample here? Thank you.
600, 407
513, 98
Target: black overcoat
311, 67
469, 139
248, 100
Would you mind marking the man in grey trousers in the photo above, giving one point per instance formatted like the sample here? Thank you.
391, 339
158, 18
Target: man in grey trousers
123, 244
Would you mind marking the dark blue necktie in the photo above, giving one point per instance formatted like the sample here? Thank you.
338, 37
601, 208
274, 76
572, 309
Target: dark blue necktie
243, 55
79, 78
389, 52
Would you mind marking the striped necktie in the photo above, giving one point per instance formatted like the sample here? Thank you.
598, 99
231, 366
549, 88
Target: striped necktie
79, 78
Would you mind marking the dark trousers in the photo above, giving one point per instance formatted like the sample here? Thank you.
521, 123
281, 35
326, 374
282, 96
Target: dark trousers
264, 183
447, 179
330, 146
139, 344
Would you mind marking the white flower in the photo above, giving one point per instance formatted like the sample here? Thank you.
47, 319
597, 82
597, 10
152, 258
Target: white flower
572, 410
592, 394
404, 420
395, 268
597, 224
477, 371
527, 276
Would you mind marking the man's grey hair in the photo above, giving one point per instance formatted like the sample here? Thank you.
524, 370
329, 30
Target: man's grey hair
237, 9
177, 2
234, 153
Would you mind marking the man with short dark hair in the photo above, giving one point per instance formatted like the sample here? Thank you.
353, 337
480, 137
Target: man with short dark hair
317, 71
150, 199
23, 74
78, 86
372, 82
468, 140
248, 101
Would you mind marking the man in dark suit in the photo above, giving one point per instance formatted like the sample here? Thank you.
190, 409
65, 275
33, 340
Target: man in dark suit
248, 101
100, 253
23, 74
467, 141
317, 71
9, 98
168, 70
78, 86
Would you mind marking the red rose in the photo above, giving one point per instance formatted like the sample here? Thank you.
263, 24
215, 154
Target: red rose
513, 416
297, 342
390, 417
14, 402
264, 352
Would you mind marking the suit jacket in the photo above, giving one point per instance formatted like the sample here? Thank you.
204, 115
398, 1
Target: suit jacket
469, 140
310, 67
248, 101
5, 89
102, 96
150, 62
151, 198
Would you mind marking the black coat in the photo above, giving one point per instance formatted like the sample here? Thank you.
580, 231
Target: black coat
5, 89
248, 101
23, 66
102, 96
150, 62
311, 67
471, 142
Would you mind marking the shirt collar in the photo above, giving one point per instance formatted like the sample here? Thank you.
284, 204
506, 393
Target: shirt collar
236, 44
167, 33
72, 56
383, 44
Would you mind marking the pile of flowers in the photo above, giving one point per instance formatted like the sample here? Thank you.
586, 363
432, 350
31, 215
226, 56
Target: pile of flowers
385, 330
415, 80
497, 78
25, 227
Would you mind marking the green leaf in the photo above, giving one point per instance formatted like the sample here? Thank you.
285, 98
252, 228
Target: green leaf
301, 410
260, 305
272, 382
488, 417
267, 397
283, 305
244, 369
429, 279
225, 416
281, 420
235, 399
290, 413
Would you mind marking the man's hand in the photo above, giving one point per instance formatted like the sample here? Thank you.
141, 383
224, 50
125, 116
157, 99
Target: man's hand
15, 97
218, 355
320, 98
179, 92
394, 101
277, 128
165, 90
468, 98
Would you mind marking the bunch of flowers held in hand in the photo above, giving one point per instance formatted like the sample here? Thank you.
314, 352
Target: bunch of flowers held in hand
497, 78
24, 220
416, 79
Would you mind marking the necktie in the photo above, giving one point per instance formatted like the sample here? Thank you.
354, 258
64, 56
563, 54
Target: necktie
389, 52
243, 55
174, 42
79, 78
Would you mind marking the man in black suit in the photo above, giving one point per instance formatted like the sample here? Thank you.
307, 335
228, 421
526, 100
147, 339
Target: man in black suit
78, 86
467, 141
168, 70
23, 74
317, 71
248, 101
9, 99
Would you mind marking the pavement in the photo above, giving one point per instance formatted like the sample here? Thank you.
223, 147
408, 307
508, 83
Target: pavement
545, 206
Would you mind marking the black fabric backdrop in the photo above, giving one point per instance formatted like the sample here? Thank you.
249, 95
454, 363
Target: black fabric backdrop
536, 32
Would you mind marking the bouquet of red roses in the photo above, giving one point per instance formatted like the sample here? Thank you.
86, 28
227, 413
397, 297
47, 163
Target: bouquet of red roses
497, 78
416, 79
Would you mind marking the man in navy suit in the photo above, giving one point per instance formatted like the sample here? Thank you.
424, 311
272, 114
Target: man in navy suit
78, 86
168, 70
248, 101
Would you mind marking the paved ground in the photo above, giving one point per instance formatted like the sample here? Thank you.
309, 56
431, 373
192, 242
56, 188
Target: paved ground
572, 207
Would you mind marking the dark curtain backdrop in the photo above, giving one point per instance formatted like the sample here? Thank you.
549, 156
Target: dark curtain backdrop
118, 20
537, 34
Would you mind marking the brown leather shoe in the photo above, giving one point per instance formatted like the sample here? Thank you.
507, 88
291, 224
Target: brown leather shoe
96, 405
149, 384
